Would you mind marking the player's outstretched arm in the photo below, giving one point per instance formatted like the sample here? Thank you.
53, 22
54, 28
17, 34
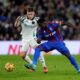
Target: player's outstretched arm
68, 24
17, 22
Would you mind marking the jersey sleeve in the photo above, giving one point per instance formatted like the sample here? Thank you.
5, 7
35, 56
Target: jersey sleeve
22, 18
37, 18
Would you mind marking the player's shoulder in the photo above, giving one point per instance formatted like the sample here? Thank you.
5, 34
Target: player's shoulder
53, 24
24, 17
37, 18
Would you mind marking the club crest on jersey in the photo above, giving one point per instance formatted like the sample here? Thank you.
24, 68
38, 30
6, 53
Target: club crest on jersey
51, 34
51, 29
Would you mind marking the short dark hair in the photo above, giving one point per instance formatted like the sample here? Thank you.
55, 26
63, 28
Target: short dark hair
41, 20
30, 9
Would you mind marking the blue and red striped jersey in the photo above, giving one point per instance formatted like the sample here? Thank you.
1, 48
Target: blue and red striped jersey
51, 33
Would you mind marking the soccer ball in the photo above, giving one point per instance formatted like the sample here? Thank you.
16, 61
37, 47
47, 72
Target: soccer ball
9, 67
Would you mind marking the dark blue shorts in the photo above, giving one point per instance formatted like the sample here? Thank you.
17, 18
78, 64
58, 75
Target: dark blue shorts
59, 46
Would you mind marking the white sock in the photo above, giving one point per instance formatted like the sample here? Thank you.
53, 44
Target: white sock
27, 59
42, 60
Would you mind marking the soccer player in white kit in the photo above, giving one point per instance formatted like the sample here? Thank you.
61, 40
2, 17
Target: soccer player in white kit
29, 24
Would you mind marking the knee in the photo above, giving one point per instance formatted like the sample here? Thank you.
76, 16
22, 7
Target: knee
67, 55
22, 55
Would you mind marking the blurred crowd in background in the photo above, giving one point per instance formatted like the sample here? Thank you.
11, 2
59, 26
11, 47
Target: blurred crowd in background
65, 10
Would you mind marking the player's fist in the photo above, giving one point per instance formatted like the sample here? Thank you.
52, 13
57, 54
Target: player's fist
38, 41
17, 22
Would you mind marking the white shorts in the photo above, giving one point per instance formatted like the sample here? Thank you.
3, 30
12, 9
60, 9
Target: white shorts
27, 43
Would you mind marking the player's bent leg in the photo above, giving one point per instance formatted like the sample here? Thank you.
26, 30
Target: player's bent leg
22, 54
42, 47
73, 61
42, 60
26, 57
24, 51
33, 44
35, 59
64, 50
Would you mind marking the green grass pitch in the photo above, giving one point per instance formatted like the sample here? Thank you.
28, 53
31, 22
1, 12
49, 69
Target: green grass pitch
59, 69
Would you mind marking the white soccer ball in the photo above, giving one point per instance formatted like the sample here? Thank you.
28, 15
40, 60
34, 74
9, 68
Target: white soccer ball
9, 67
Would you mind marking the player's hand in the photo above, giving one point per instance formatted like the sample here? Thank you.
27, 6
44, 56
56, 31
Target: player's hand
17, 22
38, 41
18, 18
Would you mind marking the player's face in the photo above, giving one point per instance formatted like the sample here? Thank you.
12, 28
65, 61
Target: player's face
44, 24
31, 15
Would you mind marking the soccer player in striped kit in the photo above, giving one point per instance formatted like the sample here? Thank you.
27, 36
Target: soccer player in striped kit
54, 40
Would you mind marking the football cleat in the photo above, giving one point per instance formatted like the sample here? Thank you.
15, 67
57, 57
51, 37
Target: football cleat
32, 67
27, 66
79, 71
45, 69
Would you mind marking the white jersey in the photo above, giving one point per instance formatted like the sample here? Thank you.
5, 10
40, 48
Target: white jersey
28, 26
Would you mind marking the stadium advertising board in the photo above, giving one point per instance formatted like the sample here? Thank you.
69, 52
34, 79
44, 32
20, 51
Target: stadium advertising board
13, 47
